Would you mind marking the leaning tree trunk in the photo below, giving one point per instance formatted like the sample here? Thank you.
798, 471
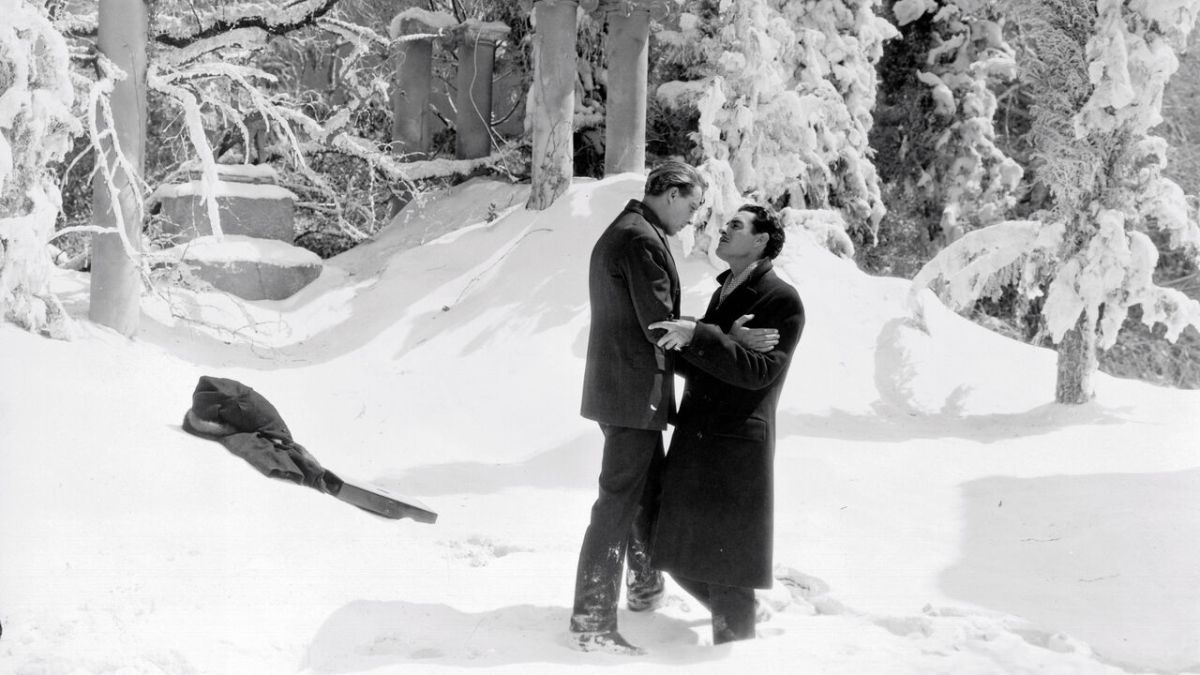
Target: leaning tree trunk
116, 284
1077, 363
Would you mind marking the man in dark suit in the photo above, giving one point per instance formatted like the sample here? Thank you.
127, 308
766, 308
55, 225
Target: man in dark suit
714, 531
628, 388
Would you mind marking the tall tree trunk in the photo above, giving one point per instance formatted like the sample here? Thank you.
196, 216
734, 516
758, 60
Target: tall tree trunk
552, 100
116, 284
1077, 363
625, 107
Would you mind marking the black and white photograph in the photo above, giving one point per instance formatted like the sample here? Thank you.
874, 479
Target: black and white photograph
842, 337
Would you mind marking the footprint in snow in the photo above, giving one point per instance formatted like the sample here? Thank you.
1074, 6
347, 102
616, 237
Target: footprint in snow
479, 550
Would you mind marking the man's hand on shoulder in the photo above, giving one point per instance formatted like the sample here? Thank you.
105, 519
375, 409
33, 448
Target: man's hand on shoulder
754, 339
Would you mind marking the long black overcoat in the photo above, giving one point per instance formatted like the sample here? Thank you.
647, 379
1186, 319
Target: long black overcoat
717, 510
628, 379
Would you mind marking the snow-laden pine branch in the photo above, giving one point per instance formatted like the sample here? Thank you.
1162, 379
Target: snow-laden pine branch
966, 269
1115, 274
967, 176
784, 92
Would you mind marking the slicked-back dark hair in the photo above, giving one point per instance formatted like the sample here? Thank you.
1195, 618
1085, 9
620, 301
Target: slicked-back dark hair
673, 174
766, 221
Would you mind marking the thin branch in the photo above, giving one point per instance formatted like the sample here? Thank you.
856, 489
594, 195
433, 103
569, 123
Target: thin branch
504, 118
221, 26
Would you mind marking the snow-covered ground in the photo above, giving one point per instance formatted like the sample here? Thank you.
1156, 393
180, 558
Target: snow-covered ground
936, 512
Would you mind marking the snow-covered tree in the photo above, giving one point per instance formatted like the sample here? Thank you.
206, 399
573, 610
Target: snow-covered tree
948, 152
785, 92
1096, 76
36, 125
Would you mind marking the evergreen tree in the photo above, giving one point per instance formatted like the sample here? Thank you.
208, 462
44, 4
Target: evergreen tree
1096, 76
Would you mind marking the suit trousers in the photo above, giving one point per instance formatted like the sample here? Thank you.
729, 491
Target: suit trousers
622, 519
732, 608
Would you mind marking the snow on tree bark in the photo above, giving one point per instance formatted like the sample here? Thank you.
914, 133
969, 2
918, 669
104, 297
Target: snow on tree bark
552, 100
36, 125
1077, 363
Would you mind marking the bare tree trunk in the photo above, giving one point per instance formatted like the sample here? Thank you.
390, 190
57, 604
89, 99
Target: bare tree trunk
116, 285
1077, 363
552, 100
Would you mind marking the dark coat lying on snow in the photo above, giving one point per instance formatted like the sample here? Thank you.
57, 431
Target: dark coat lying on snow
250, 427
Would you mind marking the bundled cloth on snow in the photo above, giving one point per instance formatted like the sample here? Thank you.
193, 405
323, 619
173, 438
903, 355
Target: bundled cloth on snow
250, 427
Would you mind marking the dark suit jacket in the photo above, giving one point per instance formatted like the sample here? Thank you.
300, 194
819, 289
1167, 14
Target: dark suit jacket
717, 510
628, 380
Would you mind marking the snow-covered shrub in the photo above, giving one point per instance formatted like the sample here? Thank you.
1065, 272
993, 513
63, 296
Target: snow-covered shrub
36, 125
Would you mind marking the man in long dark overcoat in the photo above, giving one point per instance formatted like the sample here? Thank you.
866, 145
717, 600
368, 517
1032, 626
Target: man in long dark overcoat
715, 523
628, 388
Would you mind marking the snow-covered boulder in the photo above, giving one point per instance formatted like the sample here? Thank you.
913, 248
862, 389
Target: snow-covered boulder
251, 268
248, 201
